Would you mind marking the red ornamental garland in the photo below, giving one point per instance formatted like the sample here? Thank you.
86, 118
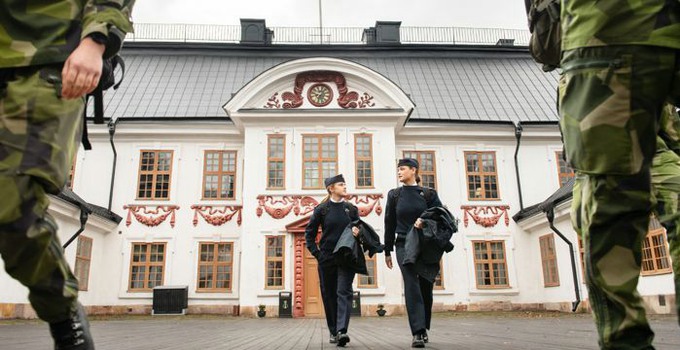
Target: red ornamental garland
366, 209
346, 98
486, 216
151, 217
281, 206
217, 217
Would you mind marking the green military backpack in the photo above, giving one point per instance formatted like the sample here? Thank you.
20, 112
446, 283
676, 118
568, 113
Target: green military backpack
545, 44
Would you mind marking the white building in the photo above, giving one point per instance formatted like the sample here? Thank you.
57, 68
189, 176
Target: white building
222, 148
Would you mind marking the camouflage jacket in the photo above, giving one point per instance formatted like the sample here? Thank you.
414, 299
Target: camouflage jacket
620, 22
47, 31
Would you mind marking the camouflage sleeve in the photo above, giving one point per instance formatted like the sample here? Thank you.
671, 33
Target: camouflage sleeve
669, 128
108, 17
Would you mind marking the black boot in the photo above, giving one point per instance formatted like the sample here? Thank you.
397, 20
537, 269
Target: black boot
333, 339
343, 339
426, 339
418, 341
74, 333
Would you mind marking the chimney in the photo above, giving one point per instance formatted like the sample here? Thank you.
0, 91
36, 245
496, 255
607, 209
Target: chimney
255, 32
505, 42
384, 33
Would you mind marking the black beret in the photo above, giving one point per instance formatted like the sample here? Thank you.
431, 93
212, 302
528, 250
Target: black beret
333, 180
408, 162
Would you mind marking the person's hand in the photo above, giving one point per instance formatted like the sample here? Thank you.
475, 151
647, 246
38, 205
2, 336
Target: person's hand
82, 69
388, 261
355, 231
419, 223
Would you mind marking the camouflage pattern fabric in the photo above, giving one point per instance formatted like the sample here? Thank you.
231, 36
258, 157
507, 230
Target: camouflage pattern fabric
611, 100
39, 135
588, 23
60, 25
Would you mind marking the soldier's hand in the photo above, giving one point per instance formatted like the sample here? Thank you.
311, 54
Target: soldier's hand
388, 261
82, 69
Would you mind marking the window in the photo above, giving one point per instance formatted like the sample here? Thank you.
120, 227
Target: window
214, 267
276, 162
655, 259
482, 176
219, 174
72, 172
274, 262
564, 171
320, 159
439, 279
147, 266
154, 175
427, 170
582, 252
370, 280
490, 266
551, 277
83, 257
363, 157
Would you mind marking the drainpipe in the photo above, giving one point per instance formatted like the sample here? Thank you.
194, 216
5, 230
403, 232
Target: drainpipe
518, 136
84, 214
550, 214
112, 131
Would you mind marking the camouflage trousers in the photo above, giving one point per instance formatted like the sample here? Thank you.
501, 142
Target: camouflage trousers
39, 133
666, 190
610, 102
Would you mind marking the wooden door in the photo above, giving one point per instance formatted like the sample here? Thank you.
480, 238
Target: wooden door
313, 301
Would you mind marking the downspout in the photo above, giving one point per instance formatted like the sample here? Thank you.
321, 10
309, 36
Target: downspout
518, 136
112, 131
84, 215
550, 214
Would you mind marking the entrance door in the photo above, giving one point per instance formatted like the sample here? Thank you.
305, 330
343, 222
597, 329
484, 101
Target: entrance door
313, 301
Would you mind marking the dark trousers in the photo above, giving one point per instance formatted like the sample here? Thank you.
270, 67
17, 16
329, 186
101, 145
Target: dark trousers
336, 292
418, 294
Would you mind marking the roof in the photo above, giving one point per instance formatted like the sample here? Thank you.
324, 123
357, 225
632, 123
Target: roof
562, 195
70, 196
447, 83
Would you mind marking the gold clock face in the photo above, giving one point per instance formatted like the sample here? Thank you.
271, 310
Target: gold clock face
320, 95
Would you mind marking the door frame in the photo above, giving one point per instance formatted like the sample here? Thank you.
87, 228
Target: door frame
297, 229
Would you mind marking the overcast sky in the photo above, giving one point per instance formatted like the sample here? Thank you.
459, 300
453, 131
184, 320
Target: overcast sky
337, 13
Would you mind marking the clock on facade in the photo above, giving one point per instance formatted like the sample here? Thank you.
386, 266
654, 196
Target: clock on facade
320, 95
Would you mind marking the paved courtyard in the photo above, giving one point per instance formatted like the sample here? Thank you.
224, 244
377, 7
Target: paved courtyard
450, 331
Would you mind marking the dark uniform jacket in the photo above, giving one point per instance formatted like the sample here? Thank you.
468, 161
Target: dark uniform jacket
425, 247
349, 251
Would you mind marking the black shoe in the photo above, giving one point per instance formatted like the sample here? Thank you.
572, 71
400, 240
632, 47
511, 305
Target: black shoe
343, 339
74, 333
426, 339
418, 341
333, 339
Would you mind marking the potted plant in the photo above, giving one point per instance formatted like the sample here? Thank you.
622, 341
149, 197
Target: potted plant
381, 310
261, 312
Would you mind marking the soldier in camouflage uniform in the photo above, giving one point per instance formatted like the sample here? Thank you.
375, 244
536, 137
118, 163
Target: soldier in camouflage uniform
50, 56
621, 65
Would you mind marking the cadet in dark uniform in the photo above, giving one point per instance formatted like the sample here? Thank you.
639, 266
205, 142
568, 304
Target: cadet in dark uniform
333, 214
404, 207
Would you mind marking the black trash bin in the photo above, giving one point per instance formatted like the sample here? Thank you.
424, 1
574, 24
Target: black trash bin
285, 304
356, 304
170, 300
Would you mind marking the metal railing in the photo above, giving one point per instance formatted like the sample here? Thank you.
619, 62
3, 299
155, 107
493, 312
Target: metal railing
330, 35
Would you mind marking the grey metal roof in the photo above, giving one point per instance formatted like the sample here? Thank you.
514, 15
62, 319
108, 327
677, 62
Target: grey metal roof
446, 83
561, 195
70, 196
